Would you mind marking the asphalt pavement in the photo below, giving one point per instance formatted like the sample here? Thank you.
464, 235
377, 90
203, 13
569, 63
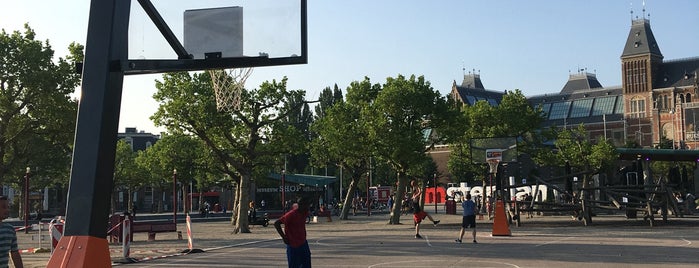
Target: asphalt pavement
369, 241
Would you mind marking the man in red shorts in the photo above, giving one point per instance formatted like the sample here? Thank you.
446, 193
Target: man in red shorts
298, 254
418, 213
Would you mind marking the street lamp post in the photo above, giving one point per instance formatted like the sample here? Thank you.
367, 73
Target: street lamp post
368, 196
26, 201
174, 196
435, 193
283, 190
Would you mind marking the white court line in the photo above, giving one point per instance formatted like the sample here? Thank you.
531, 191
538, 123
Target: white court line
318, 242
437, 261
554, 241
242, 244
685, 240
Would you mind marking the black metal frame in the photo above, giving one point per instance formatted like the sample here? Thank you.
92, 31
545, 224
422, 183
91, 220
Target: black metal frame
184, 61
106, 63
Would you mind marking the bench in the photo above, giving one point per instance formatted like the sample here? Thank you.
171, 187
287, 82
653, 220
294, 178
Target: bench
154, 227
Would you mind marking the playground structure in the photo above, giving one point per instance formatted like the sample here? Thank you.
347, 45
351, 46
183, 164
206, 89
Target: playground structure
584, 193
650, 199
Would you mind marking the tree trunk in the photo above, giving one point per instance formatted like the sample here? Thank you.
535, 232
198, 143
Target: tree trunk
398, 198
347, 203
129, 200
160, 200
242, 225
587, 213
234, 207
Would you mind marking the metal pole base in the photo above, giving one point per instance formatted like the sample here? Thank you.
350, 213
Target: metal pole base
81, 251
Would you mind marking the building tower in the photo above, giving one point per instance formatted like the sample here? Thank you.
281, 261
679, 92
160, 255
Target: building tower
640, 63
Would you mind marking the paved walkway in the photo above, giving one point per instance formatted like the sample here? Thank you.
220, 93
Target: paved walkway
368, 241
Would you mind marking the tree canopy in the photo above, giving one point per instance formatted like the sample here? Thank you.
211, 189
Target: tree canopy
37, 113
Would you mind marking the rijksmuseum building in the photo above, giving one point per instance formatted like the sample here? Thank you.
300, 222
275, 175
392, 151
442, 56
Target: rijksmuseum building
657, 98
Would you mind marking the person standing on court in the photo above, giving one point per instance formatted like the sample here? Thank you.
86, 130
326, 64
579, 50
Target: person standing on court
469, 218
418, 213
8, 238
298, 254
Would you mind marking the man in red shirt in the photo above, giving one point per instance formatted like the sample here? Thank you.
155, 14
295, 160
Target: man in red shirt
298, 254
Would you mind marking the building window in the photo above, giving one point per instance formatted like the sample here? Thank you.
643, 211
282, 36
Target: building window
559, 110
603, 105
619, 105
581, 108
129, 140
637, 108
471, 100
546, 107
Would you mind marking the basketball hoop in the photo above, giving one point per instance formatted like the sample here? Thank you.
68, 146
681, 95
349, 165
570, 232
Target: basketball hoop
228, 87
493, 165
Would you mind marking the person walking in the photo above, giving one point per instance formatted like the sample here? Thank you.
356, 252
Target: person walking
418, 213
298, 254
8, 238
469, 218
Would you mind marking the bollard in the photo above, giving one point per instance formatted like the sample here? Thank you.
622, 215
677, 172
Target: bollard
190, 239
126, 242
56, 230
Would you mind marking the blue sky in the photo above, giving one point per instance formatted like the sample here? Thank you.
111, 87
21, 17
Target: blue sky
527, 45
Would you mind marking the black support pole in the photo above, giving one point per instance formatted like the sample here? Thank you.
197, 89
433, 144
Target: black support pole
91, 178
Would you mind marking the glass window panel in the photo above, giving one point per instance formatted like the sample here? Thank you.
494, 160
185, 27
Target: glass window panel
492, 102
581, 108
559, 110
546, 108
603, 105
619, 105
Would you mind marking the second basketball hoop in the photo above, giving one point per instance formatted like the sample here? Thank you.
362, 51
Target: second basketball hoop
493, 158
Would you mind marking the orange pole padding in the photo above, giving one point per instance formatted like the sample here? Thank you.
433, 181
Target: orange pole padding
500, 225
81, 251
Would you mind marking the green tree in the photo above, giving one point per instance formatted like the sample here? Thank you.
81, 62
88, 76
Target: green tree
37, 114
185, 154
343, 137
403, 111
573, 146
301, 120
127, 175
241, 141
513, 117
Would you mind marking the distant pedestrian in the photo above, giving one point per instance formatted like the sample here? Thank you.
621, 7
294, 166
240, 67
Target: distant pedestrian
355, 203
263, 204
418, 213
298, 254
390, 203
469, 218
690, 200
8, 238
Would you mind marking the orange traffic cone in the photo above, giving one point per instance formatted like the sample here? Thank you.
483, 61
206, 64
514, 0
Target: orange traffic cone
500, 225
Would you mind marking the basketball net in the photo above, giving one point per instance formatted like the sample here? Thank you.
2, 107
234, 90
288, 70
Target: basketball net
493, 165
228, 87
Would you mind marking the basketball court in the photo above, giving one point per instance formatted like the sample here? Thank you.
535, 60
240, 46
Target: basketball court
554, 241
